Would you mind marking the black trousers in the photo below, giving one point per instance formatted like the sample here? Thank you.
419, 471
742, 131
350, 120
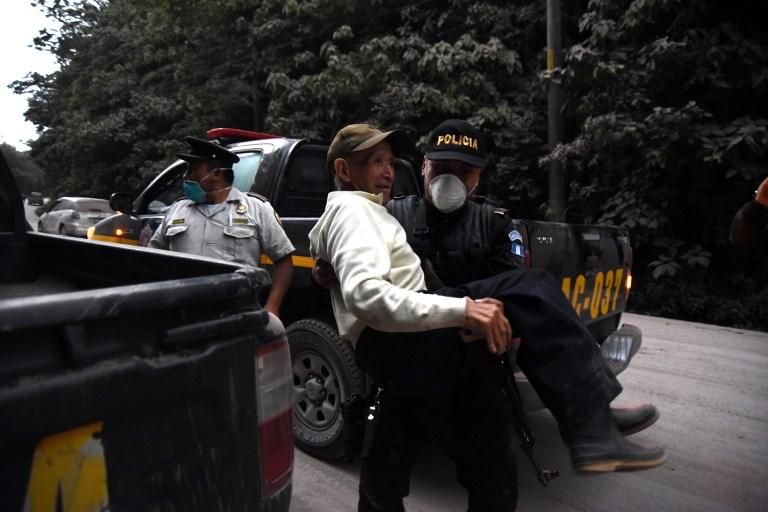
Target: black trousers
424, 370
471, 429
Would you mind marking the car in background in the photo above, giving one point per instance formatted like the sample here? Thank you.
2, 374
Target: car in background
73, 215
35, 199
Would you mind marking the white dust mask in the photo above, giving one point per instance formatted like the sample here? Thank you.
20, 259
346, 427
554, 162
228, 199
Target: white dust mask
448, 192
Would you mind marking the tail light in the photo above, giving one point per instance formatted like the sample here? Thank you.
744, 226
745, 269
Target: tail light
628, 282
274, 394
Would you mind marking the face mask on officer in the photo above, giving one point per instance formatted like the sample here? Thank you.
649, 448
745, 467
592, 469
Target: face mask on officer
194, 191
448, 192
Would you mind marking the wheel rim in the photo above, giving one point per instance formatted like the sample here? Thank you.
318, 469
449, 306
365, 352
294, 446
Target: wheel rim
317, 390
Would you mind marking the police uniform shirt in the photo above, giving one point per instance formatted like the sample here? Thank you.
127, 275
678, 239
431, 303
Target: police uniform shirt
240, 229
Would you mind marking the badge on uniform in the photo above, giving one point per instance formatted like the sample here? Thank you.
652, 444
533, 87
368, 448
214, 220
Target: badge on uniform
242, 208
174, 222
517, 243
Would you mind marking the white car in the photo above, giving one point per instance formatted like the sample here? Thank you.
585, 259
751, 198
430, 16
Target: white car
73, 215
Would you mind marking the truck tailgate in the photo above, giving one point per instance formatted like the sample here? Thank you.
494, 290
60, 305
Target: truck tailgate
593, 276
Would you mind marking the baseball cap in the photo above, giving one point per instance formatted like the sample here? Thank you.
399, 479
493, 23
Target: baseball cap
204, 150
358, 137
456, 139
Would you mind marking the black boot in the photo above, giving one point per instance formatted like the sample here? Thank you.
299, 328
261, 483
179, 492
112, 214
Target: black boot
631, 420
597, 446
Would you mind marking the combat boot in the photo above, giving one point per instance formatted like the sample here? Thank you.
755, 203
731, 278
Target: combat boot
631, 420
597, 446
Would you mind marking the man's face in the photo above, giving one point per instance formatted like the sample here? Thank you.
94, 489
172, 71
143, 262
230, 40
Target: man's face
371, 170
469, 175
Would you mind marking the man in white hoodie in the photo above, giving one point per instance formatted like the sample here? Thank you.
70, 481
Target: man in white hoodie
431, 390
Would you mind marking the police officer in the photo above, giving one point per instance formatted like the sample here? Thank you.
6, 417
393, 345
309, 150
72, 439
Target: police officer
459, 240
219, 221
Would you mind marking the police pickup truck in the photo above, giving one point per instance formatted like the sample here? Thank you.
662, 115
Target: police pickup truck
592, 263
134, 379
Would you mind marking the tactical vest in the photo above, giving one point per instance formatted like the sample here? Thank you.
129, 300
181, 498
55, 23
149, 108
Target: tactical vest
455, 245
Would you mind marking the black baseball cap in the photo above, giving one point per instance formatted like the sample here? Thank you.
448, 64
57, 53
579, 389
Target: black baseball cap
358, 137
456, 139
206, 151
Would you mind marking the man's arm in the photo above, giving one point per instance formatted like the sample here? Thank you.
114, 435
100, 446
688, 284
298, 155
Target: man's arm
748, 227
276, 244
281, 281
158, 240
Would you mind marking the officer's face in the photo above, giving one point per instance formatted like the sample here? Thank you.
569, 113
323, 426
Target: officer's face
468, 174
198, 171
371, 170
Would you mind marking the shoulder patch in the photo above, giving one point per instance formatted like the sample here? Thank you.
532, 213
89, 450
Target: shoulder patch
516, 245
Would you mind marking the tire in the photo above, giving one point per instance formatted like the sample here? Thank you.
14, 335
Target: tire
324, 375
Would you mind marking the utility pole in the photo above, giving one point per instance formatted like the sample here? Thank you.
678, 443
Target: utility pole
556, 205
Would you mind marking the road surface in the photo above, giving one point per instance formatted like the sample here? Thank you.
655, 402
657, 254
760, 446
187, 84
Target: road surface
711, 385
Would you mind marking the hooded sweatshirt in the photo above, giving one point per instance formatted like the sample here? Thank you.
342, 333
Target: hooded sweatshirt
380, 277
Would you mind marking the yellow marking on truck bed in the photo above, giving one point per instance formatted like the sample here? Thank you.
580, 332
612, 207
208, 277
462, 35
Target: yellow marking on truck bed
69, 469
298, 261
114, 239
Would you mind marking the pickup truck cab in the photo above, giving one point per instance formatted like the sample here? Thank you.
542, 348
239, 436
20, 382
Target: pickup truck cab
136, 379
593, 264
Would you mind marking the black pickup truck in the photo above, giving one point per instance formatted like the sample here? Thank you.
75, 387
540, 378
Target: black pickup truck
593, 263
134, 379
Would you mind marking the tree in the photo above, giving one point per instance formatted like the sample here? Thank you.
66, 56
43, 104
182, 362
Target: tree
669, 127
29, 176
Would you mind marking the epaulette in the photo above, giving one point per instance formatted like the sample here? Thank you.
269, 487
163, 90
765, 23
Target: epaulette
491, 205
257, 196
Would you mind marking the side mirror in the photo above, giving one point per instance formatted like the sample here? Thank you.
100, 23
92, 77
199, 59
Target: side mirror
121, 202
35, 199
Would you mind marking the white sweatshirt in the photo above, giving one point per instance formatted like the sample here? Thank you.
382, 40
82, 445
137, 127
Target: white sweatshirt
379, 274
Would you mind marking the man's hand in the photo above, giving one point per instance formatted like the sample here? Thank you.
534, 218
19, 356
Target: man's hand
761, 195
485, 317
323, 274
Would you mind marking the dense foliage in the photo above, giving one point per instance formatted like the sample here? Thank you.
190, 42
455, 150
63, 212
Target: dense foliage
28, 175
666, 118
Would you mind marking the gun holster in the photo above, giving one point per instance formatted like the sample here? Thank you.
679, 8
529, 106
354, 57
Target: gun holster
361, 416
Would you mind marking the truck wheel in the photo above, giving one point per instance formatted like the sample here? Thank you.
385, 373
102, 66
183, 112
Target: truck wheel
324, 375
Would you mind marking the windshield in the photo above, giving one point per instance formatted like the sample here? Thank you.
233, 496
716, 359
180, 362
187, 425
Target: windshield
245, 170
94, 205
